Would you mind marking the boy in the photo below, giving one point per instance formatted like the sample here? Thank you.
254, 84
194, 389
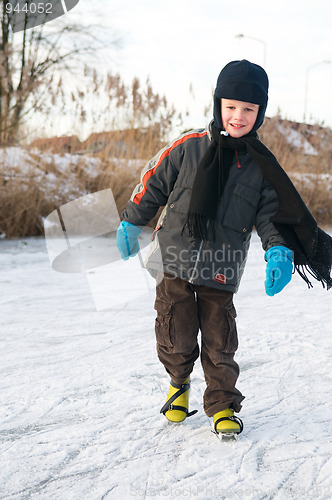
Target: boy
213, 185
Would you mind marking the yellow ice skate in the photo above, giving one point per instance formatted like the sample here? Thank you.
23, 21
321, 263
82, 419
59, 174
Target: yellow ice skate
225, 422
179, 395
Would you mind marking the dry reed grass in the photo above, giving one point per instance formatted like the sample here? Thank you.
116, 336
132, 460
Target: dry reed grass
310, 173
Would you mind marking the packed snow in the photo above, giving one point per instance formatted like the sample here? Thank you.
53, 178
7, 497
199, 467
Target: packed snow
81, 391
296, 139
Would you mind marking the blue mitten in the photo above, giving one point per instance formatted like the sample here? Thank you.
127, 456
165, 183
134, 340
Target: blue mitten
279, 269
127, 240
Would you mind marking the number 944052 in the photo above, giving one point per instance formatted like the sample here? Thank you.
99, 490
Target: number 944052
29, 8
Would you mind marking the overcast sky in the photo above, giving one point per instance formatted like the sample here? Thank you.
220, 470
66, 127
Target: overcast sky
178, 43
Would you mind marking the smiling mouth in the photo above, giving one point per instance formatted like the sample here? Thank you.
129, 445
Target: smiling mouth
236, 126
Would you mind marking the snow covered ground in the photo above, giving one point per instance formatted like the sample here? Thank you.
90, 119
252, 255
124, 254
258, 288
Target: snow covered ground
81, 391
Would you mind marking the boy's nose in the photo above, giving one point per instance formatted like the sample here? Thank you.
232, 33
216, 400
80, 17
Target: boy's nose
238, 115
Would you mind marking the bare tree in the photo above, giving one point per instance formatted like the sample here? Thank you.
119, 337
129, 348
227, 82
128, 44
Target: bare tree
31, 64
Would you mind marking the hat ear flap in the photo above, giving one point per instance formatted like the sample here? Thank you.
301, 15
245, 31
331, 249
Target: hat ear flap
217, 112
260, 117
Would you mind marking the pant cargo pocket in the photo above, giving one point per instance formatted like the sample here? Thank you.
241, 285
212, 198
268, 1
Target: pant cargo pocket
163, 323
231, 339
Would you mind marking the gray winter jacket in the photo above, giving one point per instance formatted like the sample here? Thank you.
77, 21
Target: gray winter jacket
248, 200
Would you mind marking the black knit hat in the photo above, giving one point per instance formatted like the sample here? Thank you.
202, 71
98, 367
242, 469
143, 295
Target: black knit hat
242, 81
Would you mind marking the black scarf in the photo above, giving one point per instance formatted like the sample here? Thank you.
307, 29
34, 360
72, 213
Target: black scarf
312, 247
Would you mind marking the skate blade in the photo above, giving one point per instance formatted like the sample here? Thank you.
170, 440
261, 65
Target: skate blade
226, 437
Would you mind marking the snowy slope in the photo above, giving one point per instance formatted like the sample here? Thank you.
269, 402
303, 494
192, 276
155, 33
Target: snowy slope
81, 392
296, 139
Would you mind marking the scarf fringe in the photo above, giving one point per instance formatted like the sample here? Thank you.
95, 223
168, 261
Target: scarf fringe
200, 227
304, 270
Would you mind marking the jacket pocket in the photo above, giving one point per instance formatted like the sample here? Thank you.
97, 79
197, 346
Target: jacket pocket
163, 322
241, 209
179, 200
231, 340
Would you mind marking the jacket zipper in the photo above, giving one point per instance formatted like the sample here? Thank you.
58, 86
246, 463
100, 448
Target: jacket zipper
237, 160
191, 279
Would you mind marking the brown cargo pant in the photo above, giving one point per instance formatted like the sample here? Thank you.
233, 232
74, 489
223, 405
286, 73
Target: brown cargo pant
182, 310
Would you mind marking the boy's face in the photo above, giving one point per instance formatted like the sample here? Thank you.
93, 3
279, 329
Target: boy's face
238, 117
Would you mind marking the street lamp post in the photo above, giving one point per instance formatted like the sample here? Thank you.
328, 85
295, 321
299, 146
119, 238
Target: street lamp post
241, 35
306, 85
